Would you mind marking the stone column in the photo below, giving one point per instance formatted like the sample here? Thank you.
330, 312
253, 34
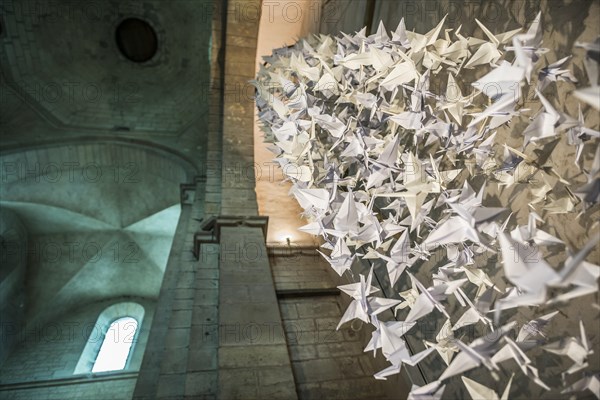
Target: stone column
169, 368
238, 180
253, 358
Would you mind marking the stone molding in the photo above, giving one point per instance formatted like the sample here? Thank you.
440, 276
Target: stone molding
211, 228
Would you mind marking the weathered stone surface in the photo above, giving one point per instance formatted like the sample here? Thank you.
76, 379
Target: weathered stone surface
251, 337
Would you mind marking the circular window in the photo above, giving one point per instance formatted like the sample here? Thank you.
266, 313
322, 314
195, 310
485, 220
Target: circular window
136, 40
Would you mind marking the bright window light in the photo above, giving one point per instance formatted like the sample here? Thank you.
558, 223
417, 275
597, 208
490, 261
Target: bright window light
116, 345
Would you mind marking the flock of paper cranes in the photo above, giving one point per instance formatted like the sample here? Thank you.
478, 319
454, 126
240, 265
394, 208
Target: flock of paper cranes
392, 161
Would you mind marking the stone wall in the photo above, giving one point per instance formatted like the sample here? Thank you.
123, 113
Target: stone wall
52, 350
13, 241
116, 388
327, 362
43, 362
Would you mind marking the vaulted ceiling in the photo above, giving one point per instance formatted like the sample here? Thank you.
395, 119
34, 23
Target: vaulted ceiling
94, 145
95, 231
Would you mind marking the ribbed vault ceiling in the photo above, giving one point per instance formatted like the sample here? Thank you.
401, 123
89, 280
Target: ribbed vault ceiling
92, 239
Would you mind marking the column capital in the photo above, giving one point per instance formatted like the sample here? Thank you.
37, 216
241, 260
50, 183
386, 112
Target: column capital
211, 228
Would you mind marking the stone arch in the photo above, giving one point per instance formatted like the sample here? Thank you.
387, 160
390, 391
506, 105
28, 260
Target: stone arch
97, 334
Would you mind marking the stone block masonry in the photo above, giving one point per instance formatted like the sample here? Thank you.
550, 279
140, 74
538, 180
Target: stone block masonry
253, 357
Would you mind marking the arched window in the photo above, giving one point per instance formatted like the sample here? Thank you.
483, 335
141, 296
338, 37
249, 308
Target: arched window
116, 345
112, 339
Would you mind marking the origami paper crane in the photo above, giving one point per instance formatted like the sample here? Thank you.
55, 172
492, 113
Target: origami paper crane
414, 154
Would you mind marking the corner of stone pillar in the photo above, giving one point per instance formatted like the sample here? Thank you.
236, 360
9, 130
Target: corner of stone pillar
187, 191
